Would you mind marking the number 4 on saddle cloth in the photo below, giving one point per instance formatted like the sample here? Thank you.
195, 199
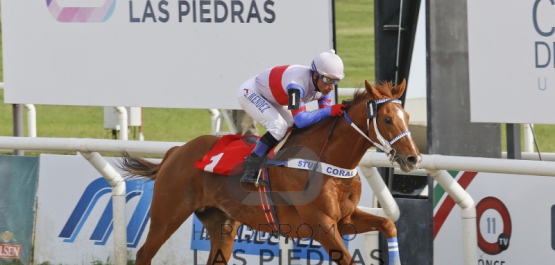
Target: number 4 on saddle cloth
228, 154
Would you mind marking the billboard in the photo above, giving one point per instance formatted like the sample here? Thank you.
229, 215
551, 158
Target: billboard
153, 53
515, 218
511, 47
73, 224
18, 188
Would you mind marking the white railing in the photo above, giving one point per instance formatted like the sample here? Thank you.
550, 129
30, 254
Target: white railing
435, 165
31, 120
122, 117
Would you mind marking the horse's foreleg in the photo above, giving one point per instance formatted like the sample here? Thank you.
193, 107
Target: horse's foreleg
329, 235
361, 222
222, 231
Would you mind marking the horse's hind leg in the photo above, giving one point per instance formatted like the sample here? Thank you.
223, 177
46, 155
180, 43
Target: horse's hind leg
166, 216
362, 222
222, 230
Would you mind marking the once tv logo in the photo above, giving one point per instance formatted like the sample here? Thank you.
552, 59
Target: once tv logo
81, 14
103, 229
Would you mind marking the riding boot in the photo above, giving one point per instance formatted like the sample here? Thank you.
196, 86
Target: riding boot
252, 167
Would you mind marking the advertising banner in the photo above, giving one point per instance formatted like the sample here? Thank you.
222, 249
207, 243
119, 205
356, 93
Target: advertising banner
74, 224
188, 53
515, 220
18, 188
74, 216
511, 48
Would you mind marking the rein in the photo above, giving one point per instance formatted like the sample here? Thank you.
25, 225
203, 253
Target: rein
265, 195
372, 107
313, 171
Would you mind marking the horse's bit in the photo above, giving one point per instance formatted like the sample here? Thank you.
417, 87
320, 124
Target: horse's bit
372, 107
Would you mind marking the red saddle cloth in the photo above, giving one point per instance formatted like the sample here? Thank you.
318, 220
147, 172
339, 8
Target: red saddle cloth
227, 156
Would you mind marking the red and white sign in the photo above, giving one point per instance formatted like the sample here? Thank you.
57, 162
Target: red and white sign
514, 216
10, 251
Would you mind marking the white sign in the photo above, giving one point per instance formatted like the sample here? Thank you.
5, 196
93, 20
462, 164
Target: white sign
155, 53
515, 217
512, 61
74, 224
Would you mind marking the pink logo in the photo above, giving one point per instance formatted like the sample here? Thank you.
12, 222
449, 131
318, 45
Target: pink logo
81, 14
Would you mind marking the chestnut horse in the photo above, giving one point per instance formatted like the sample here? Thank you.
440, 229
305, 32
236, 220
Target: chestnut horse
371, 117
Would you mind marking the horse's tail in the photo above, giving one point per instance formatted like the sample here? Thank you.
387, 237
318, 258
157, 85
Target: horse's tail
139, 167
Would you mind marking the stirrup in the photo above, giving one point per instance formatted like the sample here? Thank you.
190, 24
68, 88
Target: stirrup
256, 180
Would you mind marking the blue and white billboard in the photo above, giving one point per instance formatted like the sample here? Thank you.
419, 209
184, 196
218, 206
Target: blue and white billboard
74, 216
74, 224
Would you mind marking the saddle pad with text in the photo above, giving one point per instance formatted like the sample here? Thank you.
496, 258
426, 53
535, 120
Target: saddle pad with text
227, 156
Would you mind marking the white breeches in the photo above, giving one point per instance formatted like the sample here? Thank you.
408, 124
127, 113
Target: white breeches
274, 117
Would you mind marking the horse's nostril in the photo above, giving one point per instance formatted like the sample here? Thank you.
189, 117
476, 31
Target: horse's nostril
413, 160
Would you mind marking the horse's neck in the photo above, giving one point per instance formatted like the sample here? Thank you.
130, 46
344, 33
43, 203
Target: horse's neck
345, 148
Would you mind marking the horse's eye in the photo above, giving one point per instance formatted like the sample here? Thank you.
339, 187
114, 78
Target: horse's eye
388, 120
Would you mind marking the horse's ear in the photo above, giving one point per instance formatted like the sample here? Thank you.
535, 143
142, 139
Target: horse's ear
400, 89
372, 90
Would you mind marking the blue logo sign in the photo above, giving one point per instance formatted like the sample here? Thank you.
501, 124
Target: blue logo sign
102, 231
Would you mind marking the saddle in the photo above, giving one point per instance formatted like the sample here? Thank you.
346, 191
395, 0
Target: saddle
228, 154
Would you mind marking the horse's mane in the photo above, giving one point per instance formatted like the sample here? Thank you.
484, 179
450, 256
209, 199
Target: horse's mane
385, 88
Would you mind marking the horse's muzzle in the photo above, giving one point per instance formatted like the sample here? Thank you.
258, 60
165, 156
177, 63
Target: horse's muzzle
408, 163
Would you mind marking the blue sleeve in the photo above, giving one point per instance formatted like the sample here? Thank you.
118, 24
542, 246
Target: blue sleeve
303, 119
293, 85
324, 101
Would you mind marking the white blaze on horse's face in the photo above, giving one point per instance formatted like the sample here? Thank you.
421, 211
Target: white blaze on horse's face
407, 162
403, 116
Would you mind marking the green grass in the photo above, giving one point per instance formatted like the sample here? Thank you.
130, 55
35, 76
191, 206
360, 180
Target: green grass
177, 125
544, 136
355, 44
355, 40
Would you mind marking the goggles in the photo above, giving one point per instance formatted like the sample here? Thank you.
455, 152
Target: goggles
329, 81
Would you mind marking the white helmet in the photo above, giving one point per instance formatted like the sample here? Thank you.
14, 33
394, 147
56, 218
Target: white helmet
328, 64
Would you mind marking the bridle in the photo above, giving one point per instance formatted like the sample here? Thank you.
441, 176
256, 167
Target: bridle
372, 107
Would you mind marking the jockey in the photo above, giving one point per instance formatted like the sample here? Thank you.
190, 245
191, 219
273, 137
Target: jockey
276, 99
